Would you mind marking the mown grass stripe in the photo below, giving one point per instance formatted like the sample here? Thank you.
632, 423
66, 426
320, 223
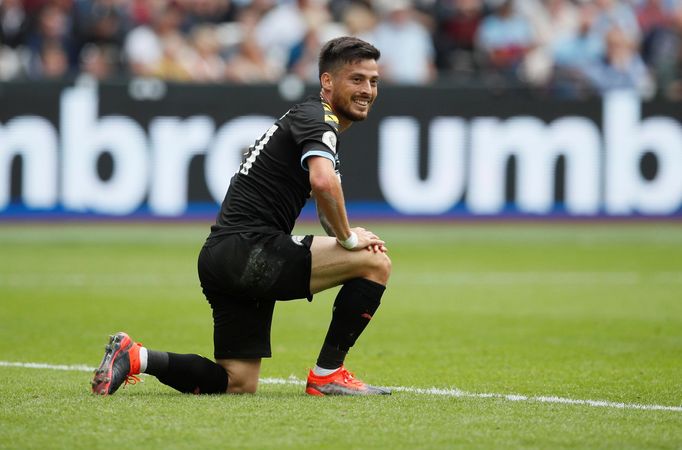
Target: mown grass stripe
32, 280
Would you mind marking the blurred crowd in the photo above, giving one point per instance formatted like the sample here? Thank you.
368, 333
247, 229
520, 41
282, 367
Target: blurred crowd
569, 48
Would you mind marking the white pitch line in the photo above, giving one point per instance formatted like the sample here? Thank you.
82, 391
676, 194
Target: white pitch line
29, 365
540, 399
444, 392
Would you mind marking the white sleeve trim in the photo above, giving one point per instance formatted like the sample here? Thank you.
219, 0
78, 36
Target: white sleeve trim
316, 153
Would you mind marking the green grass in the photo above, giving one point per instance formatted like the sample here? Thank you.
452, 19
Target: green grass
588, 311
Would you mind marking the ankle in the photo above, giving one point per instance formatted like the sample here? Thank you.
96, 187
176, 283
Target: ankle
322, 372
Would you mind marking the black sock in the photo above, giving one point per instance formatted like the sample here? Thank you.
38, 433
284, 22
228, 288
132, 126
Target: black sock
190, 374
355, 304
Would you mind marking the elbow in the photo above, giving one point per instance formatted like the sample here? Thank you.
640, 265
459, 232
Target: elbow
320, 185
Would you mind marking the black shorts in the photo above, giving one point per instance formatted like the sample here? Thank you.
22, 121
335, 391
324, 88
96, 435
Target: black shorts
242, 275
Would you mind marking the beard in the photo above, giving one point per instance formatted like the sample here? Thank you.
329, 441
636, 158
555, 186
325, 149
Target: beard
344, 108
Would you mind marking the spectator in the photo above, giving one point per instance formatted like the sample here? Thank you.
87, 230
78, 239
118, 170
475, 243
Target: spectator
660, 39
621, 68
13, 29
208, 64
286, 26
667, 60
249, 64
99, 61
53, 62
13, 23
101, 22
304, 55
407, 52
360, 20
560, 43
457, 23
302, 59
144, 47
582, 46
656, 14
53, 30
551, 20
140, 12
504, 38
176, 58
618, 14
572, 52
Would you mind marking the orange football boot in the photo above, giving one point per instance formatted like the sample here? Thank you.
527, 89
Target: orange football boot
341, 382
120, 364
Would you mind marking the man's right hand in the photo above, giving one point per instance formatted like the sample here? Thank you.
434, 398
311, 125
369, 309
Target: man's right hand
367, 240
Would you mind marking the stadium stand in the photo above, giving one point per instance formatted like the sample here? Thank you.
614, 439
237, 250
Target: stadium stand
567, 48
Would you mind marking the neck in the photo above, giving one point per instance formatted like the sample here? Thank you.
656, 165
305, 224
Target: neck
344, 124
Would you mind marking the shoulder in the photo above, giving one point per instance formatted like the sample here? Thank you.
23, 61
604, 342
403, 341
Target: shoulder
314, 112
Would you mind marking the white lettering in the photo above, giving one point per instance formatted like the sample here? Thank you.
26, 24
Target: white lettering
537, 148
663, 195
399, 165
174, 143
466, 160
626, 141
580, 142
35, 140
84, 139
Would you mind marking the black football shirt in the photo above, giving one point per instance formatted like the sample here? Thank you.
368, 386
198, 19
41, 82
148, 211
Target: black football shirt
271, 187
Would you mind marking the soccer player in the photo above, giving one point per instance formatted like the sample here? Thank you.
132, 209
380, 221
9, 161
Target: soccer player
250, 259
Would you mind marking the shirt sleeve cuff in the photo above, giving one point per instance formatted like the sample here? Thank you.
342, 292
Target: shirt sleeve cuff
321, 153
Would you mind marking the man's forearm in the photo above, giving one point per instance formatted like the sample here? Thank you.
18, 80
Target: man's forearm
332, 212
325, 223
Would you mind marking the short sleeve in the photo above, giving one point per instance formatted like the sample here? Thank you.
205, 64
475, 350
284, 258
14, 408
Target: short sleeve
314, 128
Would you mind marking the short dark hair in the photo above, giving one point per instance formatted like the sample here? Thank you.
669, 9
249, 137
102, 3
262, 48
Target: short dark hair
344, 50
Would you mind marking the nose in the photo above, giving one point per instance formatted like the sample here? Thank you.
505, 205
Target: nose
366, 87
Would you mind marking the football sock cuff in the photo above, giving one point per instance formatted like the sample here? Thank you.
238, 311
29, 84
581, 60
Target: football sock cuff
322, 372
143, 355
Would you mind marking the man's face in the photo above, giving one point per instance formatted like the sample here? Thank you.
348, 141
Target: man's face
354, 90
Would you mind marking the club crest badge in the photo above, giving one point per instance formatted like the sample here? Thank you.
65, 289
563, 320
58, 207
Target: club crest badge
329, 139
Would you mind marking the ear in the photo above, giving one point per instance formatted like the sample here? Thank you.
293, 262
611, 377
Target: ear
326, 81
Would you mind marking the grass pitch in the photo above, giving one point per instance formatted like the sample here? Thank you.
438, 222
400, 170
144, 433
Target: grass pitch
511, 315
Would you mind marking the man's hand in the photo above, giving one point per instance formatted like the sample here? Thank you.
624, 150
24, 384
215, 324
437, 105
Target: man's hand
369, 241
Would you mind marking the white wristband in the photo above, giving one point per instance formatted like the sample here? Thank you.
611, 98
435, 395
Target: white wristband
350, 243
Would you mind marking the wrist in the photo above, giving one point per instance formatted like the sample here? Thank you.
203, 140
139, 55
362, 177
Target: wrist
350, 243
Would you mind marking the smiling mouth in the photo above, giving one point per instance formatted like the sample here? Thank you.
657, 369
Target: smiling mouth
363, 103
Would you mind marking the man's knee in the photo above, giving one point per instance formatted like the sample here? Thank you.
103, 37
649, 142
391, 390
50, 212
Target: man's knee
379, 268
242, 375
238, 385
